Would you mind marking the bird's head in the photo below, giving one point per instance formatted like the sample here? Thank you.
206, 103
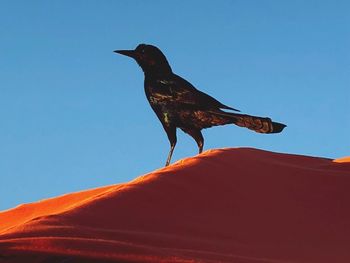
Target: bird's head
149, 58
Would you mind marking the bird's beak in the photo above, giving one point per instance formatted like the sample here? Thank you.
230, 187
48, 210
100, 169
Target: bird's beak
129, 53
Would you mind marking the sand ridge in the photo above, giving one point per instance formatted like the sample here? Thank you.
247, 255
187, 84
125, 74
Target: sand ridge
225, 205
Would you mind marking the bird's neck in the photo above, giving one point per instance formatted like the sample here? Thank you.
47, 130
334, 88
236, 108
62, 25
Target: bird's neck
162, 72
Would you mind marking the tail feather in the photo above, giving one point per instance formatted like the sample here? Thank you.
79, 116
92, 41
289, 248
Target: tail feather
257, 124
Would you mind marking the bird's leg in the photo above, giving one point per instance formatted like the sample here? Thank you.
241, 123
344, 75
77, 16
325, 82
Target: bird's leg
170, 154
200, 147
171, 132
197, 136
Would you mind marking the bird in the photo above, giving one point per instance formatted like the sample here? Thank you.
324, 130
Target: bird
178, 104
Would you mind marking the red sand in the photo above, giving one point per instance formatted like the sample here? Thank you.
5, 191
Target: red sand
228, 205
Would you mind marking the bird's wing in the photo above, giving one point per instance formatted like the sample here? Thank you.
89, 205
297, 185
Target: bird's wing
183, 92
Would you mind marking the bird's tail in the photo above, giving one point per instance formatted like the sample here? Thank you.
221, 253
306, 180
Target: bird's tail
257, 124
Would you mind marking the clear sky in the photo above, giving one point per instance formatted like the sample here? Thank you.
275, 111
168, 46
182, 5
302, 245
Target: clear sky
73, 114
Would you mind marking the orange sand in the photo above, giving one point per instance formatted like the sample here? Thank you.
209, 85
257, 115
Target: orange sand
227, 205
343, 160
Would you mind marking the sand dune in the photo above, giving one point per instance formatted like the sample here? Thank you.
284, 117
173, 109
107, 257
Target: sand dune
226, 205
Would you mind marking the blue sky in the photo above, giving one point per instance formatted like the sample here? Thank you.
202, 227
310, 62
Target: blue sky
74, 115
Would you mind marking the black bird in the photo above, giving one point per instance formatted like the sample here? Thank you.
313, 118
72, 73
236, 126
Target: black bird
178, 104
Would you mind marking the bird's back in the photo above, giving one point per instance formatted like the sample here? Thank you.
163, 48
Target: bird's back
176, 91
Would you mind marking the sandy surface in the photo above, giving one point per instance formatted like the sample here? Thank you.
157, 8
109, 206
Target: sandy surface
226, 205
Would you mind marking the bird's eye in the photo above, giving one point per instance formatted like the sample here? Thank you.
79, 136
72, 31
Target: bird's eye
143, 51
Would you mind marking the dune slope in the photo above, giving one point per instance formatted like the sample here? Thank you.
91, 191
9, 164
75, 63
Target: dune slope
226, 205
